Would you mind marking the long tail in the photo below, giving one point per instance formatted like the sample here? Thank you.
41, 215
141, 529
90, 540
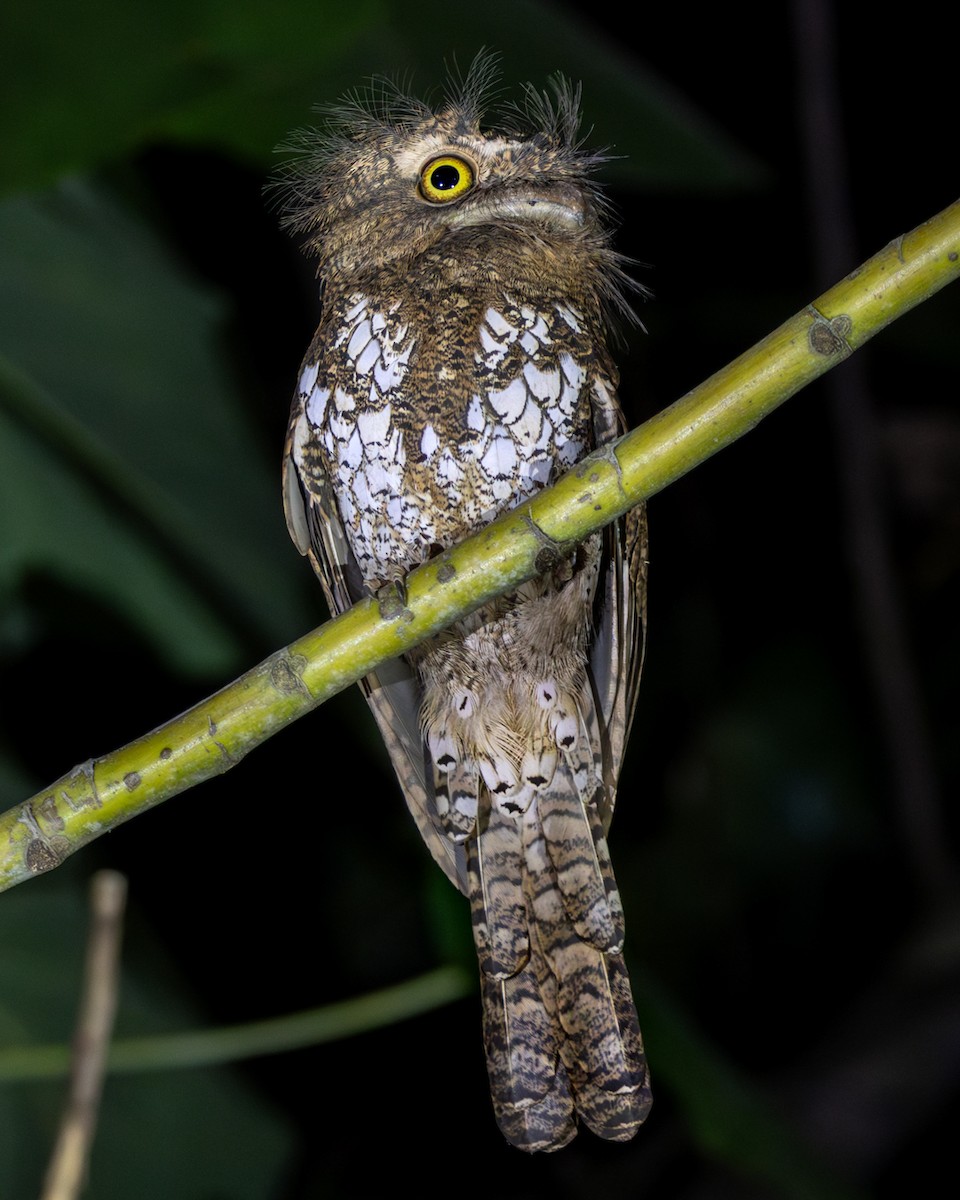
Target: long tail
560, 1028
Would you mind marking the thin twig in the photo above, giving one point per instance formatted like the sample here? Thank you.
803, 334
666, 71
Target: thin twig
233, 1043
67, 1172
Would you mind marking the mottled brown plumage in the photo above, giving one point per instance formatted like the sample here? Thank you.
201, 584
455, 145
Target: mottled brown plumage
460, 363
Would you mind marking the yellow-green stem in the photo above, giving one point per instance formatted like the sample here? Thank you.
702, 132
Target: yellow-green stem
212, 737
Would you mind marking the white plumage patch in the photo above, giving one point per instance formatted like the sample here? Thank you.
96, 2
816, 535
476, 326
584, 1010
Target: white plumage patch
537, 416
529, 411
428, 440
308, 378
502, 329
373, 426
544, 386
316, 404
571, 318
475, 418
500, 459
509, 402
449, 471
360, 435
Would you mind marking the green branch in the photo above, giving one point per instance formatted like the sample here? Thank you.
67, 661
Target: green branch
99, 794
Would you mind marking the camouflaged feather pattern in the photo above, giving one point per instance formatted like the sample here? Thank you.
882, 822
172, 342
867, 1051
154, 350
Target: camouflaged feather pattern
460, 364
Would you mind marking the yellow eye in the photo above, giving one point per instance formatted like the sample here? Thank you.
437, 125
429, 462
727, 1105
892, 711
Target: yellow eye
446, 178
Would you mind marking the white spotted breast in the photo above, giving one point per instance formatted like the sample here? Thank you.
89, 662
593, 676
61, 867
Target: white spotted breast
421, 445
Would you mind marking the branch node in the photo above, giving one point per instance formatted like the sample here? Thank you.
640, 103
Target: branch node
828, 336
286, 673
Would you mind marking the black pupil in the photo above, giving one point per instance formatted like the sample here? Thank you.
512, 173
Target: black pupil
444, 177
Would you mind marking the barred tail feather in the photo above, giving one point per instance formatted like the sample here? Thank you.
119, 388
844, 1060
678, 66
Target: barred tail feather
571, 849
531, 1093
494, 874
561, 1032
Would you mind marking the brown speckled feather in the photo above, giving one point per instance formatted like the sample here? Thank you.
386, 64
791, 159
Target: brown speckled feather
459, 365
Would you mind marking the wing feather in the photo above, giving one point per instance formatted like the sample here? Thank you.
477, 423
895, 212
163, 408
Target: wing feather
616, 657
391, 691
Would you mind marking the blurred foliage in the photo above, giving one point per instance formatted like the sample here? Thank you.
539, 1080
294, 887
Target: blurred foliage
111, 432
239, 75
151, 319
157, 1130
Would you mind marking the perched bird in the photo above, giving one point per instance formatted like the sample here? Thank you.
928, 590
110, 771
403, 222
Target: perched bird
460, 364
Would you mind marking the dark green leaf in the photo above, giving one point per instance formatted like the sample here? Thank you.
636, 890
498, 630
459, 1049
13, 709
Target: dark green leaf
127, 468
